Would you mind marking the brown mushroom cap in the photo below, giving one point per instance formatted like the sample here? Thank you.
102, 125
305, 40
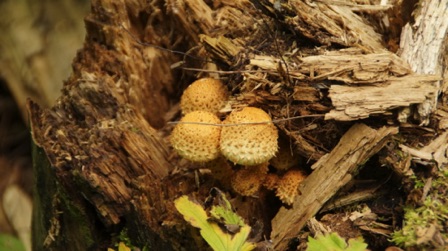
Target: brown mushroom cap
205, 94
271, 181
197, 142
249, 144
288, 185
248, 180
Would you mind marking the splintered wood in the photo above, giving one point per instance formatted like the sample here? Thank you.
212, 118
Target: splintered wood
358, 102
331, 172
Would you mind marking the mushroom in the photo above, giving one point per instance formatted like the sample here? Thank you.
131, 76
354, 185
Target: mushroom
271, 181
205, 94
288, 185
248, 180
248, 144
197, 142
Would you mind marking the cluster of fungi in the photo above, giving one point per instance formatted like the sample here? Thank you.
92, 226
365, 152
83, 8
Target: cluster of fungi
239, 149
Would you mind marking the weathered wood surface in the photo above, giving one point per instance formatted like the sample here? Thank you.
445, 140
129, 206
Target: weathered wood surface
358, 102
331, 172
100, 137
436, 152
424, 47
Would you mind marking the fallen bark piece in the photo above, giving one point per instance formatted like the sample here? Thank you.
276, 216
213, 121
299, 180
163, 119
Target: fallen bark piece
347, 66
358, 102
436, 151
332, 172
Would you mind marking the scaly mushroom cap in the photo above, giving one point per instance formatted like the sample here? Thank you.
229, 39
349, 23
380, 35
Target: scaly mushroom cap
288, 185
271, 181
249, 144
248, 180
197, 142
205, 94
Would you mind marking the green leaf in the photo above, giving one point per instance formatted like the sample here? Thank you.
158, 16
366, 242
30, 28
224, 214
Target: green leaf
210, 231
224, 212
357, 244
10, 243
333, 242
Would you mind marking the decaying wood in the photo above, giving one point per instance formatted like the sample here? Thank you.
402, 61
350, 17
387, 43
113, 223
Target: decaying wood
321, 21
106, 138
424, 48
436, 151
100, 137
348, 66
423, 41
331, 172
387, 81
358, 102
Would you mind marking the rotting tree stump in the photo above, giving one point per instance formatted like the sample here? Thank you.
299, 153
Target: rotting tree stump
102, 158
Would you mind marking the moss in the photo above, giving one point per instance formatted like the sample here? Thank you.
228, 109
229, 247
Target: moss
424, 227
59, 222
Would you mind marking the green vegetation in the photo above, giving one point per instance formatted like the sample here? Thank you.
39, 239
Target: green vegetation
10, 243
223, 230
333, 242
424, 227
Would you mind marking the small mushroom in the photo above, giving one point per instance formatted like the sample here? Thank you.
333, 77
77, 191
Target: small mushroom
248, 180
271, 181
288, 185
197, 142
205, 94
248, 144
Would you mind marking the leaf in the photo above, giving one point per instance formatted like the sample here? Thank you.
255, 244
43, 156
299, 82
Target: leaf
223, 213
123, 247
357, 244
333, 242
10, 243
210, 231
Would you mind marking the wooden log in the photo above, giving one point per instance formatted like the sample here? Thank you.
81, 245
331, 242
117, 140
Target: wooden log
331, 172
358, 102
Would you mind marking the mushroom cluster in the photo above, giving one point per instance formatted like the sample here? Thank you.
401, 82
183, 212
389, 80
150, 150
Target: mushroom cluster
246, 137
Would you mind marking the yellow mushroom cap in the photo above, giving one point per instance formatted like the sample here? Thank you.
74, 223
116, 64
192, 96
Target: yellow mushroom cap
249, 144
205, 94
288, 185
197, 142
